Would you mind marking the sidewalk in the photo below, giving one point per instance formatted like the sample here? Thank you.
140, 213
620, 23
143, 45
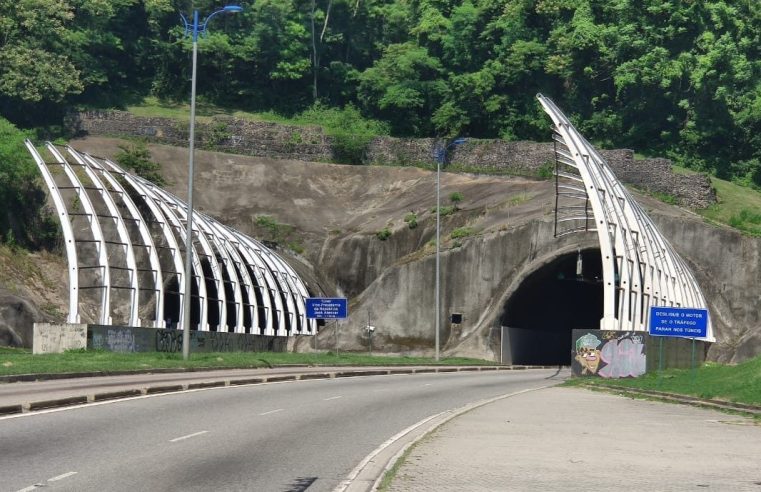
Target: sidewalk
561, 439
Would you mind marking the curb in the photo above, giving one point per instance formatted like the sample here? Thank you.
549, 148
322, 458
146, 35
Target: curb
683, 399
27, 378
176, 388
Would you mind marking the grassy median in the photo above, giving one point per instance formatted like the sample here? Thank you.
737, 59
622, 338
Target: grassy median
737, 383
21, 361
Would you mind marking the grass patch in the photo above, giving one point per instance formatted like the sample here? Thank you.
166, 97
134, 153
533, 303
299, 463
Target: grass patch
390, 475
21, 361
740, 383
738, 207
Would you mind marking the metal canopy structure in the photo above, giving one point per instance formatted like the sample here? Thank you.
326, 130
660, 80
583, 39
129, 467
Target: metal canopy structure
122, 237
640, 268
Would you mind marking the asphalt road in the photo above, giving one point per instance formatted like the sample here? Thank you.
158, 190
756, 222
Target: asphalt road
273, 437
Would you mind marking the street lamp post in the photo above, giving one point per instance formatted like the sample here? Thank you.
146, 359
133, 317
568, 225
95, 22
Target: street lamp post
440, 154
193, 29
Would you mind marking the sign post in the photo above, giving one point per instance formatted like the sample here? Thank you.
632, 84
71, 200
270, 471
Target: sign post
334, 308
668, 321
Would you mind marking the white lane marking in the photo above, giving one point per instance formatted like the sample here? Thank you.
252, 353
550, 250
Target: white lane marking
62, 476
182, 438
427, 384
32, 487
272, 411
332, 398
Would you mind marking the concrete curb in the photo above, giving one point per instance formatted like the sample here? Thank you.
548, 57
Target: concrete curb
27, 378
175, 388
683, 399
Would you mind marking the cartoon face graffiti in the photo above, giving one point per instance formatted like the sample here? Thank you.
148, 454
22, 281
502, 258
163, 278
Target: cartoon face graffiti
589, 359
587, 354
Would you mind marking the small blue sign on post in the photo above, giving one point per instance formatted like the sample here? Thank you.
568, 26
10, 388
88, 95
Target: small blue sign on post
326, 307
678, 322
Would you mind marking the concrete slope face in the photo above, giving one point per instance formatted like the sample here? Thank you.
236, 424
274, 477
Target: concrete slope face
124, 241
640, 269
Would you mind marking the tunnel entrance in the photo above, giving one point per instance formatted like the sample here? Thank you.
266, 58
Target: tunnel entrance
563, 295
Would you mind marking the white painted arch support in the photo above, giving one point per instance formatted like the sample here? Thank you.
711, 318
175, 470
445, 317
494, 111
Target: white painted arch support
640, 268
137, 229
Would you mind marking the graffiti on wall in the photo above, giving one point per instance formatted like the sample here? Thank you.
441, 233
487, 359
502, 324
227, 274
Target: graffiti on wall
133, 339
608, 354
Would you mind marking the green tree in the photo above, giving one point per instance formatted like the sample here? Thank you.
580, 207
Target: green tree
23, 217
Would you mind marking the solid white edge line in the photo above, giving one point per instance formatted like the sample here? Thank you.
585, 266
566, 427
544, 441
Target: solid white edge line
362, 464
272, 411
182, 438
62, 476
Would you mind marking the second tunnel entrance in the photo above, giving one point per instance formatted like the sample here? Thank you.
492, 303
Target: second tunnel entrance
560, 296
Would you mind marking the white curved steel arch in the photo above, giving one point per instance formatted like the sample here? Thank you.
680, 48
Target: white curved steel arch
640, 267
166, 230
270, 285
121, 230
145, 235
181, 210
98, 237
69, 241
176, 224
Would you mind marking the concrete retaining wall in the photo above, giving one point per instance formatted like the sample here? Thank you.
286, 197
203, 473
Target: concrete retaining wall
52, 338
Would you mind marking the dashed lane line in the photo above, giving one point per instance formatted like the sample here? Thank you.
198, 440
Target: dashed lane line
62, 476
332, 398
182, 438
272, 411
41, 485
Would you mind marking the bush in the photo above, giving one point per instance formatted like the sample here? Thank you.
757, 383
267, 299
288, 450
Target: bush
461, 232
137, 157
446, 210
350, 132
411, 220
455, 198
383, 234
546, 171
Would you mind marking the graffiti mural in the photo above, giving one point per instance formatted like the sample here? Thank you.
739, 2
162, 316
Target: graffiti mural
132, 339
608, 354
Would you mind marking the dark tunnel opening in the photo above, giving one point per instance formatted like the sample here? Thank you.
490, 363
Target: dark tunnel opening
563, 295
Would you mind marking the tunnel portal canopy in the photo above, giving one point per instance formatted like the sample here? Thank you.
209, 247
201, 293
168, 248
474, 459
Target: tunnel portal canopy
124, 239
640, 269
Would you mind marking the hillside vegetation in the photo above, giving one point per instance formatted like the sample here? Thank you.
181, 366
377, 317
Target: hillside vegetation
677, 79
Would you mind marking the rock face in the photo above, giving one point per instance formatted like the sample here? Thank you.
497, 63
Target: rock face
17, 316
500, 234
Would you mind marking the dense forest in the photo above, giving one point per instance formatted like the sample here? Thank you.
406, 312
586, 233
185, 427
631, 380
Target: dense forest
679, 78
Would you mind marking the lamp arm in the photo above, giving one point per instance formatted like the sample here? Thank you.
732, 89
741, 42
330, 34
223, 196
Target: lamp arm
202, 28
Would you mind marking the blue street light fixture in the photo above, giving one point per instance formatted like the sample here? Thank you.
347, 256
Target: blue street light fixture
440, 154
193, 28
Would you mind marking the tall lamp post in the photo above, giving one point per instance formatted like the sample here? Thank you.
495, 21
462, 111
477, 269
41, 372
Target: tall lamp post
440, 154
193, 29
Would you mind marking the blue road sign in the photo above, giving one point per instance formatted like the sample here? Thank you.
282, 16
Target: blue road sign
327, 308
678, 322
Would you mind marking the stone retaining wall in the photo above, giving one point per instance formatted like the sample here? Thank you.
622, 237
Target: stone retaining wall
274, 140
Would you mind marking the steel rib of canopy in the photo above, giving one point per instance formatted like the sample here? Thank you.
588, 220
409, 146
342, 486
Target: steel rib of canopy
640, 267
123, 236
